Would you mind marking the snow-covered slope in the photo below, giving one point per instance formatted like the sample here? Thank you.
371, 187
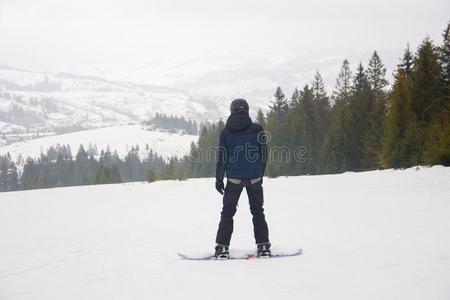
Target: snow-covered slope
197, 86
375, 235
194, 87
44, 101
120, 138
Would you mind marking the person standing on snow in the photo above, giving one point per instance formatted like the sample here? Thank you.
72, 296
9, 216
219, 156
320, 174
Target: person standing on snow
242, 157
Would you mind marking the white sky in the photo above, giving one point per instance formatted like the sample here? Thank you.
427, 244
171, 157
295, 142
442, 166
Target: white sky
52, 34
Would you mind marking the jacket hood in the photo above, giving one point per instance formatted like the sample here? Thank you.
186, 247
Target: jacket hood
238, 121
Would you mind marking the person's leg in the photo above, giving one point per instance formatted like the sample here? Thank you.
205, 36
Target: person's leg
256, 199
230, 201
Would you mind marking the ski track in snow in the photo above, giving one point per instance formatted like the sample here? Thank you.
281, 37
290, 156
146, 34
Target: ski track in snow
373, 235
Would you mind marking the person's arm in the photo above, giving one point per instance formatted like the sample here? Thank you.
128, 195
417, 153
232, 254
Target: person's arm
221, 159
220, 165
263, 142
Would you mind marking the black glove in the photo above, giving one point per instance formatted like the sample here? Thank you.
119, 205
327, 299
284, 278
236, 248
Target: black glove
220, 187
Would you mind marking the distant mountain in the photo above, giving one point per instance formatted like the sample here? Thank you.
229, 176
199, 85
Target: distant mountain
197, 88
42, 102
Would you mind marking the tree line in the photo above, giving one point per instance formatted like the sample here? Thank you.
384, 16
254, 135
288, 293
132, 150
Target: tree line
58, 168
173, 124
365, 124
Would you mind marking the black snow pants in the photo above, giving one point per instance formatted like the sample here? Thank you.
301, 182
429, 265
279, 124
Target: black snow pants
230, 201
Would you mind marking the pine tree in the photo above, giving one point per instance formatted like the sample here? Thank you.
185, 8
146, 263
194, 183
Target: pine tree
279, 106
260, 118
318, 87
377, 74
41, 182
276, 126
373, 136
400, 147
294, 98
356, 121
372, 139
81, 154
194, 160
427, 83
151, 176
4, 163
29, 175
13, 178
81, 168
336, 151
59, 170
100, 176
343, 82
444, 58
321, 118
427, 99
437, 148
131, 166
360, 84
308, 130
407, 63
115, 175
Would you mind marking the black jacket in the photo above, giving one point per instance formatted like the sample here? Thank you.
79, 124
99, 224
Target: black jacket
242, 149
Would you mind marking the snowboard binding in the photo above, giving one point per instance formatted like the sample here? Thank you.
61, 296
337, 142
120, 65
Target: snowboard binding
222, 252
264, 250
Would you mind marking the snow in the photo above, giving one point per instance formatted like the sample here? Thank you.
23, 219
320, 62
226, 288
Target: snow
7, 128
120, 138
195, 86
373, 235
64, 99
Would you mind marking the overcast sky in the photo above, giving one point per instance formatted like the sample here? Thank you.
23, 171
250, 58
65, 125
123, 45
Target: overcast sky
50, 34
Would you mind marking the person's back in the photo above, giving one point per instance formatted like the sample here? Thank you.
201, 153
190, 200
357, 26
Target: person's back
242, 157
242, 144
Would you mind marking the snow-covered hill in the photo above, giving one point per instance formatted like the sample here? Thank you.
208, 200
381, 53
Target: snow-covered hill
120, 138
374, 235
199, 88
44, 101
196, 87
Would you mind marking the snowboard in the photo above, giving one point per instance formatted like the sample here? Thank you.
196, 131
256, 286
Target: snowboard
248, 256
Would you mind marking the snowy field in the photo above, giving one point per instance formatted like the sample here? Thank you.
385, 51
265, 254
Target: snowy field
374, 235
120, 138
49, 99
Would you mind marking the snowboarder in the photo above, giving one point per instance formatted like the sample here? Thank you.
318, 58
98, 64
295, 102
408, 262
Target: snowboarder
242, 156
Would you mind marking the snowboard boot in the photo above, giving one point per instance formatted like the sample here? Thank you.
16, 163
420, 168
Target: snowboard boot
264, 249
221, 252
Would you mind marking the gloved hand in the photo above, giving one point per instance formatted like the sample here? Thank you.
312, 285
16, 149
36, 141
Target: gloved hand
220, 187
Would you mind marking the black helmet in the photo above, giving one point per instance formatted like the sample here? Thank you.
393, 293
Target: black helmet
239, 105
